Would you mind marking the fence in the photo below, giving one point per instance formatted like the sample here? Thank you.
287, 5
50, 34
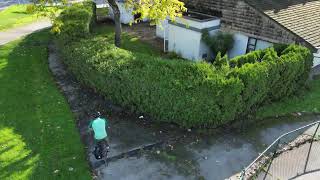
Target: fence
294, 154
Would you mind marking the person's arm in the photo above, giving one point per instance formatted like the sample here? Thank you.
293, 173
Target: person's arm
90, 126
107, 124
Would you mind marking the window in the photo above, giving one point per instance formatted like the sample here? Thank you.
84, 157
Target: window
252, 43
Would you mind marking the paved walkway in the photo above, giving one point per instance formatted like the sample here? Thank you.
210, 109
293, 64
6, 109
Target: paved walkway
6, 3
16, 33
302, 162
293, 164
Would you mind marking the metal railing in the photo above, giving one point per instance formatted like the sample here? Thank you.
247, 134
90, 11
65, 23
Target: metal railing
288, 156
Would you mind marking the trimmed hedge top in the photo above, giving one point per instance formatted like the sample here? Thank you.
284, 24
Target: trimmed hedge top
76, 20
188, 93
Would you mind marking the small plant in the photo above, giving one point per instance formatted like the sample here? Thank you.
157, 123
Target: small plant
31, 8
220, 42
219, 62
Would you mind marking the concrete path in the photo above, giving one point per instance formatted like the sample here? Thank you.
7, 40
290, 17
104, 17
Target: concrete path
18, 32
5, 3
293, 164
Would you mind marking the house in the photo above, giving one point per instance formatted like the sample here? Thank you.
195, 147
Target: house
258, 24
126, 16
184, 36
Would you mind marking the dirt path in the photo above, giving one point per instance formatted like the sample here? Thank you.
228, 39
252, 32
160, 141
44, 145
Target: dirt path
18, 32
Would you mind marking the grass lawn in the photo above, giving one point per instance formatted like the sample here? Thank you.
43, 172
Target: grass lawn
129, 42
102, 11
16, 15
309, 101
39, 138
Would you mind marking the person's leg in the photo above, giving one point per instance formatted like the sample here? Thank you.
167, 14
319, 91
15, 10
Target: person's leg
104, 147
107, 141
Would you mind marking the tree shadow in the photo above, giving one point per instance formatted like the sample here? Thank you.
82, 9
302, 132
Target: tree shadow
36, 112
20, 12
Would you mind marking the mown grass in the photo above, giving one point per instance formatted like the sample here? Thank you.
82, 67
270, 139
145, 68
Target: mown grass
16, 15
101, 12
129, 42
39, 138
306, 101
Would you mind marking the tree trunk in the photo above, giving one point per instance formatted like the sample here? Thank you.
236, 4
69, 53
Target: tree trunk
116, 13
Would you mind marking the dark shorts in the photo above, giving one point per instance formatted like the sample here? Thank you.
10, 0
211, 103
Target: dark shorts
104, 145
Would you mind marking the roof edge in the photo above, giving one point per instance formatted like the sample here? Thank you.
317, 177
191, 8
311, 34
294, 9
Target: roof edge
266, 15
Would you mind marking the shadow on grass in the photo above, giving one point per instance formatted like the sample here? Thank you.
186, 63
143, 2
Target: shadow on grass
129, 42
20, 12
38, 128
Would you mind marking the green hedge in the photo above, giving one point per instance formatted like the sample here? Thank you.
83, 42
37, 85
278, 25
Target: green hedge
271, 77
252, 57
77, 20
187, 93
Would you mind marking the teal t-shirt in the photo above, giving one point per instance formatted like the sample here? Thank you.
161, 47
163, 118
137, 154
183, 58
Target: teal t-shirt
99, 127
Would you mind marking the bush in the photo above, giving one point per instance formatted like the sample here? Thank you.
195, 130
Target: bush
189, 94
271, 77
183, 92
279, 48
75, 21
252, 57
219, 61
255, 80
220, 42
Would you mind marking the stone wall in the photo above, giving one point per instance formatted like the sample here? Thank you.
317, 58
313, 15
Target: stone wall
239, 16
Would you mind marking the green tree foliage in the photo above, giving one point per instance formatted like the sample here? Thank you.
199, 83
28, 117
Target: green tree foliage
154, 10
157, 10
75, 21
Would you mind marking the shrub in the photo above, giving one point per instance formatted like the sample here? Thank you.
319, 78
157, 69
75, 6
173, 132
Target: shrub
31, 8
271, 77
220, 42
255, 79
252, 57
75, 21
280, 47
219, 61
189, 94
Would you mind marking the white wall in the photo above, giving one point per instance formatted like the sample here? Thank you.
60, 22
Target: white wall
161, 29
316, 60
241, 42
240, 45
186, 47
126, 14
204, 49
197, 24
188, 43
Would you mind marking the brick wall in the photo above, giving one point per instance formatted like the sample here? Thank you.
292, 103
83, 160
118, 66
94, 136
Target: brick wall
238, 16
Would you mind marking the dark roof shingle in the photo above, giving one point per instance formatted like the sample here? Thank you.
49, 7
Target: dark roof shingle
302, 17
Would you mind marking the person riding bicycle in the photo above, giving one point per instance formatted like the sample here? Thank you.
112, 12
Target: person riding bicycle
99, 126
